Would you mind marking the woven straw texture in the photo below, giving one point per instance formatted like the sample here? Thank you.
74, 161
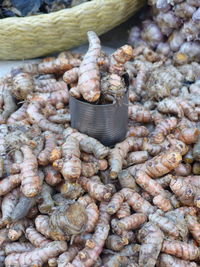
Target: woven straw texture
35, 36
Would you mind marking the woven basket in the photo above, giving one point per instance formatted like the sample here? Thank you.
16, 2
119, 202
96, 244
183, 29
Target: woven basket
34, 36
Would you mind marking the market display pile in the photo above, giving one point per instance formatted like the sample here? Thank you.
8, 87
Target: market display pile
171, 27
69, 201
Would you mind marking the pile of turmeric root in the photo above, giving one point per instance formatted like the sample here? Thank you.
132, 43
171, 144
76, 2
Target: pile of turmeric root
69, 201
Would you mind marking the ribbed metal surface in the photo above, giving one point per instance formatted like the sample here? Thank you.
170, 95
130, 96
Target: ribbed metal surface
106, 123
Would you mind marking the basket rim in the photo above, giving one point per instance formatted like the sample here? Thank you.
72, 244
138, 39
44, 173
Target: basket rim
62, 11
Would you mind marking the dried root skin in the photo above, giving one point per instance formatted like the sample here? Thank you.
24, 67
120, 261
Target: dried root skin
180, 249
8, 183
186, 192
137, 157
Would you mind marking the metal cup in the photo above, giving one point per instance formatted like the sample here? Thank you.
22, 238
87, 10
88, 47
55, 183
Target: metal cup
107, 123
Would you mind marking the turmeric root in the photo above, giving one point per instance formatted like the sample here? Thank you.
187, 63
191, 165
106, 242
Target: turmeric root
112, 88
115, 242
137, 157
70, 221
167, 260
135, 201
51, 87
22, 85
119, 153
93, 216
183, 169
89, 255
50, 144
51, 176
18, 115
119, 58
89, 74
9, 106
186, 192
151, 238
91, 145
47, 204
165, 224
163, 128
18, 228
35, 116
30, 180
162, 202
71, 76
150, 185
36, 238
8, 183
180, 249
132, 222
18, 247
8, 204
23, 207
123, 211
36, 257
97, 191
170, 106
68, 256
71, 167
193, 226
59, 65
139, 114
196, 150
126, 180
161, 164
138, 131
